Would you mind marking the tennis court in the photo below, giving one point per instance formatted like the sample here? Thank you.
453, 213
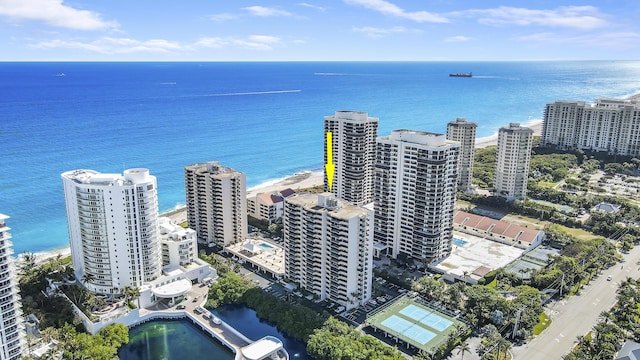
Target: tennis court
414, 322
429, 318
412, 331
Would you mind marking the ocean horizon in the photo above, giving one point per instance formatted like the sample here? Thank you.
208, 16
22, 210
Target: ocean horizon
262, 118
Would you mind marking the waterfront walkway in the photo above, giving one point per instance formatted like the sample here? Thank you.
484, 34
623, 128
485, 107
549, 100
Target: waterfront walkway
223, 332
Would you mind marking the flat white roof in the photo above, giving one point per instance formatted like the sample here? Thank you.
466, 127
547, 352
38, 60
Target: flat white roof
475, 253
172, 289
262, 348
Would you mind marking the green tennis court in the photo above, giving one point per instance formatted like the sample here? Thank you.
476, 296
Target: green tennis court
414, 322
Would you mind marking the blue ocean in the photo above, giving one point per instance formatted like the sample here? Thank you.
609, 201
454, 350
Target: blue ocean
265, 119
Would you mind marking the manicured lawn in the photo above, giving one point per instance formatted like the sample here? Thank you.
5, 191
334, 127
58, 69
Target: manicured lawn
542, 324
579, 233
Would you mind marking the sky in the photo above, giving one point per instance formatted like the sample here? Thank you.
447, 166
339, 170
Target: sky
314, 30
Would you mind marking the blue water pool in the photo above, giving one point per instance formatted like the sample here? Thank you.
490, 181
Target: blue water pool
459, 242
265, 246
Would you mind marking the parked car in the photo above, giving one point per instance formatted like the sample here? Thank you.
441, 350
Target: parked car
181, 307
216, 320
609, 278
194, 299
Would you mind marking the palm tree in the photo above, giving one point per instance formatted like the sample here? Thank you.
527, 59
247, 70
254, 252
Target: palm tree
463, 348
28, 261
131, 293
88, 278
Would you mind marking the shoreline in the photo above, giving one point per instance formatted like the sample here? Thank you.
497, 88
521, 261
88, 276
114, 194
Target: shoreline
485, 141
300, 180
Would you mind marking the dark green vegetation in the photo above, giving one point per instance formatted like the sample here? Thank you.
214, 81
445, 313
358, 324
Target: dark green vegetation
263, 225
296, 320
54, 310
227, 290
484, 167
102, 346
337, 340
613, 327
563, 181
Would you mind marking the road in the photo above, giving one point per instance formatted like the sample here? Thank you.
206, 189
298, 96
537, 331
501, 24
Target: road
576, 315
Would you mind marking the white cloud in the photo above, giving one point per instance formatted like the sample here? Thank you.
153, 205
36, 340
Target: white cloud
375, 32
257, 42
265, 11
54, 13
222, 17
311, 6
579, 17
109, 45
266, 39
211, 42
388, 8
458, 38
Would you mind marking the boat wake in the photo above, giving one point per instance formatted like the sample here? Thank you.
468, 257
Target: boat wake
257, 93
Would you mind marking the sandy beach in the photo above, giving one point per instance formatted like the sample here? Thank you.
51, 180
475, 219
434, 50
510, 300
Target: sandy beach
483, 142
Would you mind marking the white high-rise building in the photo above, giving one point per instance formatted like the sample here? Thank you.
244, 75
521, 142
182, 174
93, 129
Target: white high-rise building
113, 228
512, 161
12, 341
353, 148
216, 203
328, 247
464, 132
609, 125
415, 191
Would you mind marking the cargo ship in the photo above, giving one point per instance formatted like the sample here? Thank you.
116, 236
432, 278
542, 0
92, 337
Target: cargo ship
461, 75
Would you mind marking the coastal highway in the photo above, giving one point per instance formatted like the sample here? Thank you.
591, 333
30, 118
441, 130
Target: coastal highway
576, 315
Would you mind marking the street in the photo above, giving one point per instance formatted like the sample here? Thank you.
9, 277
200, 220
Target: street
576, 315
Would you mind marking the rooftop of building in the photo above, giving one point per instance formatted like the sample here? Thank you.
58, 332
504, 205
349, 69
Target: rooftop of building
261, 253
170, 230
462, 122
92, 177
327, 202
498, 227
213, 168
420, 138
360, 116
475, 255
262, 348
515, 127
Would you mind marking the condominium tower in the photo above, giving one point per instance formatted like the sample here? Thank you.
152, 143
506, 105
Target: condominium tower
609, 125
12, 341
216, 203
512, 161
113, 228
328, 247
464, 132
415, 191
353, 155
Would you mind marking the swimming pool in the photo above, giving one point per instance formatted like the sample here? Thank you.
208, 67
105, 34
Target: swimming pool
459, 242
265, 246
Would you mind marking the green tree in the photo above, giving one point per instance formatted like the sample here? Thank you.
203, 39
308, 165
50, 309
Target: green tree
337, 340
227, 290
463, 348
